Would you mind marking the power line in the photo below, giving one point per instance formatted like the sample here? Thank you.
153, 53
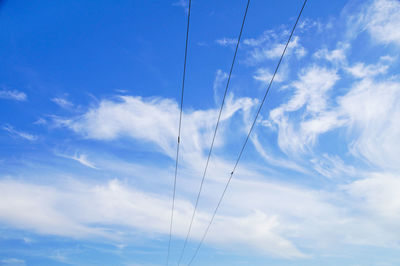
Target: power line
215, 133
248, 136
179, 132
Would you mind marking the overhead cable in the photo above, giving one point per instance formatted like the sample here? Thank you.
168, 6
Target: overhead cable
215, 133
179, 132
247, 138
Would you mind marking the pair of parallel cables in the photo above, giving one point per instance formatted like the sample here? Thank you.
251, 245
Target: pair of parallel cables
215, 133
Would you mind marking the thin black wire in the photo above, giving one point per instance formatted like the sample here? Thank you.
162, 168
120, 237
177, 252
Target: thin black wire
215, 133
179, 133
248, 136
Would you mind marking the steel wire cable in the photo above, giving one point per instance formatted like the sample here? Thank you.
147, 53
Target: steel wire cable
179, 132
215, 133
248, 136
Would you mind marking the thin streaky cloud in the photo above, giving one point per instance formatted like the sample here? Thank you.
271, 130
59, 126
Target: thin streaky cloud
10, 129
13, 95
79, 157
63, 103
226, 41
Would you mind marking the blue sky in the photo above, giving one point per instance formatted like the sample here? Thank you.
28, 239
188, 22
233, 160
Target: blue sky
89, 109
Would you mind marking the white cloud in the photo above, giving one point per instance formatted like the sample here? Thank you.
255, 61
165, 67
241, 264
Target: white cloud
388, 58
274, 49
311, 92
182, 3
308, 24
154, 121
73, 210
226, 41
382, 20
365, 110
372, 109
150, 121
10, 129
27, 240
300, 52
63, 103
13, 95
276, 218
360, 70
40, 121
312, 89
273, 159
34, 207
378, 194
264, 37
333, 167
368, 108
337, 55
81, 158
13, 262
219, 80
264, 75
316, 220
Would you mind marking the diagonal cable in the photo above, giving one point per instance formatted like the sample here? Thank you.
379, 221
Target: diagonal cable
179, 133
215, 133
247, 138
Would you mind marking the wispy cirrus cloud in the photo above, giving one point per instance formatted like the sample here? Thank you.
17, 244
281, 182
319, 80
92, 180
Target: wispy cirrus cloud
28, 136
79, 157
336, 56
182, 3
381, 18
13, 262
272, 50
13, 95
114, 205
226, 41
264, 222
219, 81
361, 70
264, 75
366, 110
332, 166
311, 94
275, 160
62, 102
153, 120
